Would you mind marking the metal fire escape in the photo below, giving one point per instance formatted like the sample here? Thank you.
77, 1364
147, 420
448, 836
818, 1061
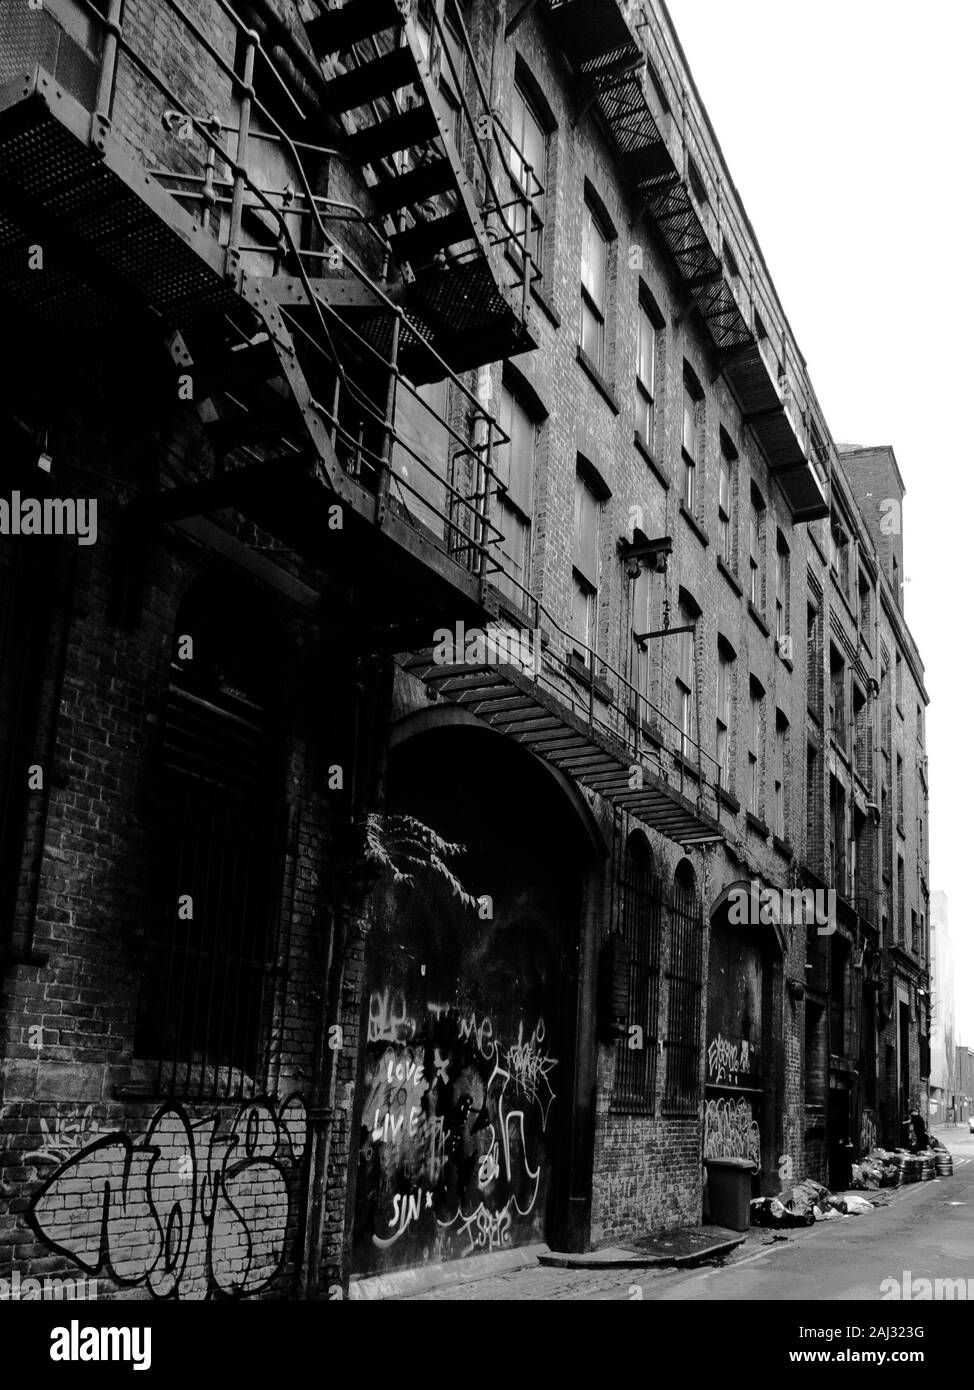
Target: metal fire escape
154, 209
635, 89
202, 214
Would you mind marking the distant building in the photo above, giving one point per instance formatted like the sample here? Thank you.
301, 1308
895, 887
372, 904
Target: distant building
943, 1067
964, 1081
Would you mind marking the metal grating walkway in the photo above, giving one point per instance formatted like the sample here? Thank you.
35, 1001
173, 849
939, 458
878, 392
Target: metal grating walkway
98, 218
512, 704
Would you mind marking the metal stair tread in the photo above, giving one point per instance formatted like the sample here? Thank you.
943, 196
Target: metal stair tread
423, 240
336, 29
414, 186
399, 132
386, 74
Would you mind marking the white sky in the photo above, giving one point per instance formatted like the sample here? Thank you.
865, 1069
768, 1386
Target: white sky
847, 126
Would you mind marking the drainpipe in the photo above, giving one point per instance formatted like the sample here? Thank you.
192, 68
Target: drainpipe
370, 723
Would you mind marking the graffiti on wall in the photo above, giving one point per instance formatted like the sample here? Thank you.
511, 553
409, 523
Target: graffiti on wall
452, 1156
730, 1130
728, 1061
188, 1210
867, 1133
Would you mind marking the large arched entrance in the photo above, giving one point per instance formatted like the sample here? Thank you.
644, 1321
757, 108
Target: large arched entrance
469, 1051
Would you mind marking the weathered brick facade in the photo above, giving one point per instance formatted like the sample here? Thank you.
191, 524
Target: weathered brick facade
412, 1087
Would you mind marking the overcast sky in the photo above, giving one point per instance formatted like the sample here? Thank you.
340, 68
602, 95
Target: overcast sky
847, 127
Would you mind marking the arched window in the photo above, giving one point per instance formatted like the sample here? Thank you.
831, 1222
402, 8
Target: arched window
640, 910
214, 851
685, 978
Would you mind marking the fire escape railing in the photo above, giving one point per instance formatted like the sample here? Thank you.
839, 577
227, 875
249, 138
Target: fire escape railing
467, 525
611, 703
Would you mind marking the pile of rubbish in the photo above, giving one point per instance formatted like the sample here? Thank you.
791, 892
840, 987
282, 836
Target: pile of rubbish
804, 1204
880, 1168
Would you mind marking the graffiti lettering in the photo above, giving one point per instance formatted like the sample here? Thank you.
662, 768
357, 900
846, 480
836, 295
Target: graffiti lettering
65, 1138
481, 1033
452, 1132
731, 1131
388, 1019
142, 1214
727, 1061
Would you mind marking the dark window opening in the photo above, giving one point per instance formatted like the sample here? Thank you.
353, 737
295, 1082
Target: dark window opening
641, 901
685, 983
210, 947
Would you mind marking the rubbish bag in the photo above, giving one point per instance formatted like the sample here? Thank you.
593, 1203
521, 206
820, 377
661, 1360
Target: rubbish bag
769, 1211
857, 1206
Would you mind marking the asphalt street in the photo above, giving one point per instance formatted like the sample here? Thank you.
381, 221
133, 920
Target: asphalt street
927, 1230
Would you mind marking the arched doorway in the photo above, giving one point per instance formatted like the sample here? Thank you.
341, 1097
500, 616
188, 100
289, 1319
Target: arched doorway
742, 1111
469, 1069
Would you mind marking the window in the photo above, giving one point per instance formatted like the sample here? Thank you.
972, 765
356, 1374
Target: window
443, 66
585, 567
685, 978
780, 774
697, 186
899, 683
217, 793
756, 550
899, 793
813, 803
725, 678
813, 657
529, 163
839, 554
920, 725
692, 400
765, 346
595, 260
641, 623
649, 322
726, 528
641, 903
754, 748
837, 699
685, 684
513, 502
782, 589
838, 834
900, 898
865, 607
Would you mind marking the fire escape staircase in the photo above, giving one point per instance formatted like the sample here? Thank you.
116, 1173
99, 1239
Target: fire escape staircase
613, 66
265, 354
380, 85
515, 704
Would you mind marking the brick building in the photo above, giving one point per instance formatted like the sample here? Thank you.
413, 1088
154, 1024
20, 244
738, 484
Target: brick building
480, 603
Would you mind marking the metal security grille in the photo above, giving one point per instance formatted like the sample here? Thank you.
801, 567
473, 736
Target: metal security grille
204, 1007
641, 913
685, 976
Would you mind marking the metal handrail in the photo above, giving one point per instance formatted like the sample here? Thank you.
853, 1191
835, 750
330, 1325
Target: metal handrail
242, 180
528, 274
481, 544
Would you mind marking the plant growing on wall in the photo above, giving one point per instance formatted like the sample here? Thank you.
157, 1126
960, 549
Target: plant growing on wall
405, 846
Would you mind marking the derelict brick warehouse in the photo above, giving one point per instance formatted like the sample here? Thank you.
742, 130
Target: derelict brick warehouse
479, 600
